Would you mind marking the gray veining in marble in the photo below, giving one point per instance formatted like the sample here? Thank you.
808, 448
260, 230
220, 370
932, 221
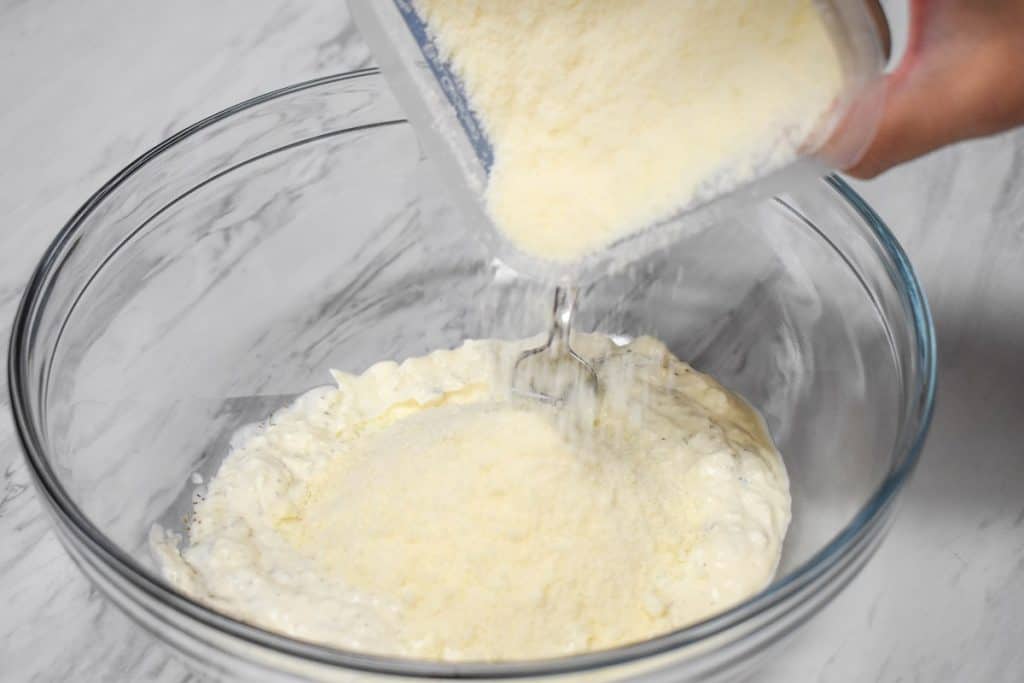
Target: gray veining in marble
87, 87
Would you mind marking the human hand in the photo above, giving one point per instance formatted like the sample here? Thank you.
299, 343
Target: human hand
962, 77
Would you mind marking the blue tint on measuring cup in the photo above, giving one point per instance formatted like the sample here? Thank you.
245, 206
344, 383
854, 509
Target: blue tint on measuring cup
450, 84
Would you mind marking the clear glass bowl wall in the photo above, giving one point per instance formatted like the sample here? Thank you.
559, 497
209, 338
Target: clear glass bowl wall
223, 273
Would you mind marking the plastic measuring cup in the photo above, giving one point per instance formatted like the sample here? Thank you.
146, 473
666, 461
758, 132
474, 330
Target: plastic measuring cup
452, 135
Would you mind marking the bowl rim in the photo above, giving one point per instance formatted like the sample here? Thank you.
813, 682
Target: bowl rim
783, 590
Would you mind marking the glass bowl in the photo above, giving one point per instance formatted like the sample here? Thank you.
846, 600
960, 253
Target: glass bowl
224, 272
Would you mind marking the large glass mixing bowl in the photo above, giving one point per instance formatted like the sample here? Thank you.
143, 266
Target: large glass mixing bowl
226, 270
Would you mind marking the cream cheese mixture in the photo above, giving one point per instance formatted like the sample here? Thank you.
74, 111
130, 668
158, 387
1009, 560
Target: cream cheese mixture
606, 116
421, 510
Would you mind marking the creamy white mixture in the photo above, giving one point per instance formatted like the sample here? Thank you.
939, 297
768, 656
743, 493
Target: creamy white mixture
420, 510
608, 115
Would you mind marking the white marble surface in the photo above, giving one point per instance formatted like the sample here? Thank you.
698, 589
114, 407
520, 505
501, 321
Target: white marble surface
85, 87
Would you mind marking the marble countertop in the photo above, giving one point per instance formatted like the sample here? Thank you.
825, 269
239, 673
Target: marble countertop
87, 87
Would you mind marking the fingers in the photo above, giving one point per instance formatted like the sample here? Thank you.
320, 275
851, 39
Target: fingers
919, 117
963, 77
941, 103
